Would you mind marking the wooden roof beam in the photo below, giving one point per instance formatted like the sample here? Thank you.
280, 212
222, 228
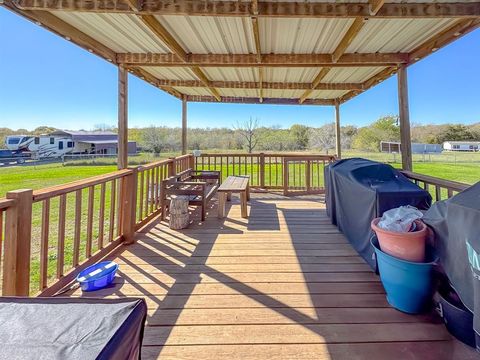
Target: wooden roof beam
236, 8
460, 28
254, 100
176, 49
339, 51
268, 60
146, 76
65, 30
316, 82
348, 38
257, 85
375, 6
162, 33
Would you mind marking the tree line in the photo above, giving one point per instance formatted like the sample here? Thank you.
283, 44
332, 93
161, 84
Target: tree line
250, 136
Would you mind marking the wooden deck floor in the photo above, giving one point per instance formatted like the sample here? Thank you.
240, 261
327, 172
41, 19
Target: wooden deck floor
283, 284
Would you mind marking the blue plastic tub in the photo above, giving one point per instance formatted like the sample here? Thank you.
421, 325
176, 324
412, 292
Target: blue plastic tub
408, 284
97, 276
457, 318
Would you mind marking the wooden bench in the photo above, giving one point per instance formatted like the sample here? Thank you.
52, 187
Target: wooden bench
234, 184
199, 186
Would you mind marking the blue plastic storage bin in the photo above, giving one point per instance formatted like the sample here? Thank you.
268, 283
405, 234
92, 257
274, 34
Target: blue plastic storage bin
97, 276
408, 284
457, 318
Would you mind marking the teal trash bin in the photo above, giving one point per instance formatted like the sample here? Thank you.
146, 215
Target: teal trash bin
409, 285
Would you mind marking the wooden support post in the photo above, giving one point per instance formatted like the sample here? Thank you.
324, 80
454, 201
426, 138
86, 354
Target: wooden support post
122, 117
262, 170
184, 126
18, 230
338, 140
129, 206
405, 137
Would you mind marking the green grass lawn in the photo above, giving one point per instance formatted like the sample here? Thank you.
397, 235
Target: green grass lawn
37, 177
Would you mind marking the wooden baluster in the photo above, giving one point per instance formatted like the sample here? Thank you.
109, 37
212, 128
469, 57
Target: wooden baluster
449, 193
285, 177
152, 187
113, 198
438, 193
101, 217
78, 226
91, 197
157, 186
16, 258
62, 212
44, 244
142, 184
1, 240
233, 167
147, 191
308, 178
119, 208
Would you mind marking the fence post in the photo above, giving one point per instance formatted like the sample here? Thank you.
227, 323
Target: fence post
18, 230
171, 167
129, 206
262, 170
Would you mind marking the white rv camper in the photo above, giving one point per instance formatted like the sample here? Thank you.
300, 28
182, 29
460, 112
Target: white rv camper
43, 146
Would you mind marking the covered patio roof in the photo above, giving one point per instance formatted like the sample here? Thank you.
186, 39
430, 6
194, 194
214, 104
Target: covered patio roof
276, 52
316, 52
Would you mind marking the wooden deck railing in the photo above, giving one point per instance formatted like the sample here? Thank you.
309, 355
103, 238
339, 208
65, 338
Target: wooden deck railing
287, 172
47, 236
439, 188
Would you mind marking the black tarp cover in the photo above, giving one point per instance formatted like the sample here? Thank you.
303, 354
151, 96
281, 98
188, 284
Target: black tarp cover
359, 190
71, 328
456, 224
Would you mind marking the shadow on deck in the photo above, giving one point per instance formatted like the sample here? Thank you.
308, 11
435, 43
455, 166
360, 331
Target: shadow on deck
283, 284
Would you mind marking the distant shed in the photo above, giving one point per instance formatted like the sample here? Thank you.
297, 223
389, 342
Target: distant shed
417, 148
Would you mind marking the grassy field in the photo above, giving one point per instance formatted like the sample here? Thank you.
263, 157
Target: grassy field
36, 177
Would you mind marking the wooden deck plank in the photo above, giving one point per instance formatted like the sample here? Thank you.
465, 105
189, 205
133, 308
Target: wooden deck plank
426, 350
283, 284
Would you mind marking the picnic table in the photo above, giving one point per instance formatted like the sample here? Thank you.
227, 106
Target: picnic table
234, 184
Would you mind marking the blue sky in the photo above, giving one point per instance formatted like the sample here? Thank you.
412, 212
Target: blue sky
46, 80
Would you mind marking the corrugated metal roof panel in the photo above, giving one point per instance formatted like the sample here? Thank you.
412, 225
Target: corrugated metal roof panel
209, 34
296, 74
193, 90
278, 93
231, 74
301, 35
173, 73
360, 74
119, 32
396, 35
239, 92
327, 94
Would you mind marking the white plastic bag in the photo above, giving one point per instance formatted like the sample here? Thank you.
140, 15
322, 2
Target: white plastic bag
399, 219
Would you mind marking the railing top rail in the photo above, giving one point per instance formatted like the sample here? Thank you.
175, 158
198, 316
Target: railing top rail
448, 184
256, 154
310, 157
42, 194
6, 203
155, 164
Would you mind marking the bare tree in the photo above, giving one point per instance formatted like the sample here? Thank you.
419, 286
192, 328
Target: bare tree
323, 138
248, 130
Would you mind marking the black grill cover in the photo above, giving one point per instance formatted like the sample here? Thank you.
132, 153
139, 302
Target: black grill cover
71, 328
456, 223
359, 190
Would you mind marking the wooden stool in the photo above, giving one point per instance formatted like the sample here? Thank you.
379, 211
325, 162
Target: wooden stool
179, 217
